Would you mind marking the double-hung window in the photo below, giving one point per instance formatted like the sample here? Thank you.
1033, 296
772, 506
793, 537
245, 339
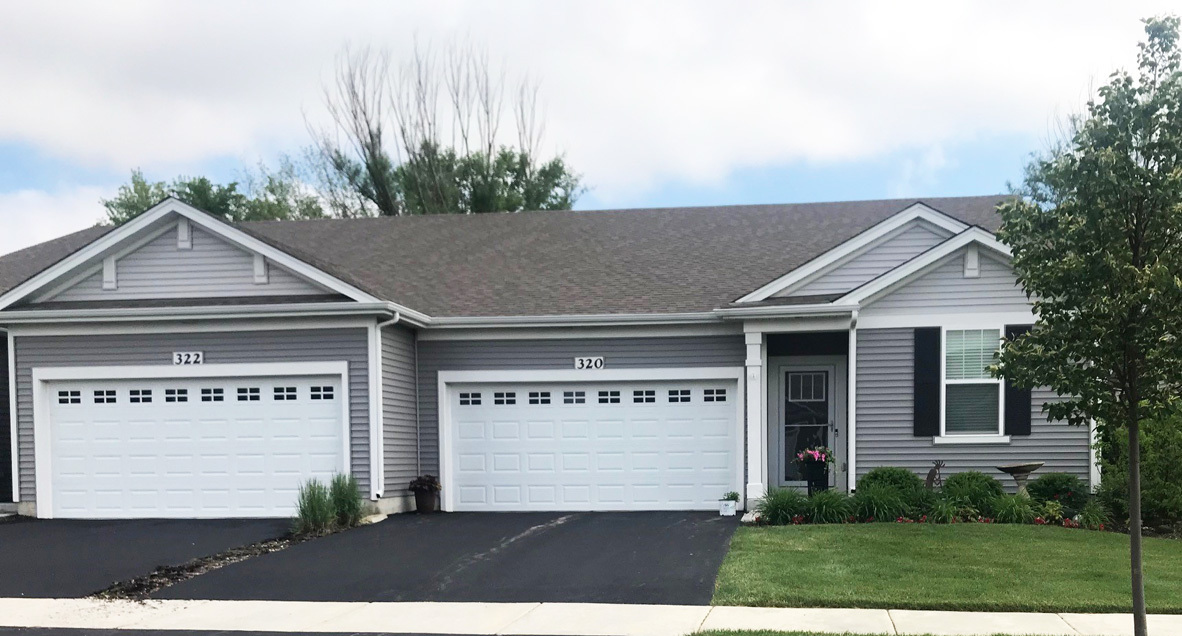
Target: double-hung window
972, 398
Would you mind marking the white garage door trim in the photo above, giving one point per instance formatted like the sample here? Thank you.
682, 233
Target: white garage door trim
42, 376
552, 376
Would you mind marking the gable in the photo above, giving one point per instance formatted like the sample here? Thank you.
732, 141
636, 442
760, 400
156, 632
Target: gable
874, 260
166, 267
945, 289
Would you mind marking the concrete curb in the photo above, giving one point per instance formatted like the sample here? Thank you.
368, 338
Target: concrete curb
546, 619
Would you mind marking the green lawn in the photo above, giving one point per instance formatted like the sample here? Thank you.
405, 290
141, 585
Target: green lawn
954, 567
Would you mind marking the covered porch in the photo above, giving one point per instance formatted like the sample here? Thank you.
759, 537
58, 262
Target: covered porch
800, 387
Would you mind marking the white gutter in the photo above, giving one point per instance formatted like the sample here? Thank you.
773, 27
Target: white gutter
787, 311
128, 314
575, 320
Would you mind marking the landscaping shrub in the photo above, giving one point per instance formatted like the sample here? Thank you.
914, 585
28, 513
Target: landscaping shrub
900, 479
829, 506
346, 500
1066, 489
951, 510
780, 505
315, 514
919, 501
1053, 512
879, 502
1093, 516
973, 488
1013, 509
1161, 476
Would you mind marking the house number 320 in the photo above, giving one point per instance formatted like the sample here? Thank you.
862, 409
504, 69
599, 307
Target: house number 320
589, 363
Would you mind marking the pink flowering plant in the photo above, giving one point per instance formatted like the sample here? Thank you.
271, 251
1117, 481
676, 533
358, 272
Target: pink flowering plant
817, 455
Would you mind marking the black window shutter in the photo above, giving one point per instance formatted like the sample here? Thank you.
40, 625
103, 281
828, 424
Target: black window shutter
927, 382
1017, 399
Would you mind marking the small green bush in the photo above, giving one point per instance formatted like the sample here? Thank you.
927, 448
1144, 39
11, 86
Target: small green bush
315, 514
951, 510
900, 479
973, 488
1093, 516
829, 506
780, 505
919, 501
1013, 509
1052, 512
346, 500
1064, 488
879, 502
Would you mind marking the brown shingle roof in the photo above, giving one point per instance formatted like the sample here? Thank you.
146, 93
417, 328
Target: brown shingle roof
657, 260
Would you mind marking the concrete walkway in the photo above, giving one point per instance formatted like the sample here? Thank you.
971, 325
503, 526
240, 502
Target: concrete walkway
543, 619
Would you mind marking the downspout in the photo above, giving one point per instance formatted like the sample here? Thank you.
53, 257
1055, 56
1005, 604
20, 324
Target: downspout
851, 362
418, 416
377, 444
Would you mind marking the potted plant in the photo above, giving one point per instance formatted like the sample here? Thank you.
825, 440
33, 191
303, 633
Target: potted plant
426, 489
728, 504
814, 463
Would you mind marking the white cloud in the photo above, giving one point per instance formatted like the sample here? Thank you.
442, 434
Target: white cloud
636, 94
918, 173
31, 216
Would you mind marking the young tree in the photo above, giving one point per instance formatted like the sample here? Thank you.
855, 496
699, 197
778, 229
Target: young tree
427, 138
1096, 244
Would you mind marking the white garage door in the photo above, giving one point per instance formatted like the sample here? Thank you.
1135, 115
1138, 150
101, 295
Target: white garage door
593, 446
191, 448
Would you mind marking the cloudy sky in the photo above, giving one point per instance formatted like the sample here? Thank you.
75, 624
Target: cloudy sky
655, 103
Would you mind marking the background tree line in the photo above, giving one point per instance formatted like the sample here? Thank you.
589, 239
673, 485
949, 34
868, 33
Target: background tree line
427, 136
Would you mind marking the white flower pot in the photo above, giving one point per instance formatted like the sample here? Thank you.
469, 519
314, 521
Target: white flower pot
727, 508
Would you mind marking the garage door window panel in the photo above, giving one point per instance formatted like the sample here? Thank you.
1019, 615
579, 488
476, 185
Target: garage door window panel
139, 396
574, 397
69, 397
285, 393
248, 394
105, 396
213, 395
176, 395
326, 393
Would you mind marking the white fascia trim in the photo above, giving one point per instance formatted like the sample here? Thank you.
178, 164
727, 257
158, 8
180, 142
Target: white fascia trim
779, 311
970, 439
12, 431
966, 320
125, 314
111, 240
574, 320
867, 237
43, 455
374, 336
736, 374
716, 328
869, 291
181, 326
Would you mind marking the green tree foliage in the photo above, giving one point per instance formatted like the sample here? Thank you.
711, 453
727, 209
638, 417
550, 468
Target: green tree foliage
1095, 238
265, 196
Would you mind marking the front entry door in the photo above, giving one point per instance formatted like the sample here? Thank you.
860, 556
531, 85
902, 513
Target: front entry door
808, 417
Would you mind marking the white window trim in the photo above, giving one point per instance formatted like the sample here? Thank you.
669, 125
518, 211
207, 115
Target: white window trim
970, 438
557, 376
42, 376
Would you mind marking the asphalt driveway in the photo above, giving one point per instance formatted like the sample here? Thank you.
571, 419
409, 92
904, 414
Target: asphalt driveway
73, 558
634, 557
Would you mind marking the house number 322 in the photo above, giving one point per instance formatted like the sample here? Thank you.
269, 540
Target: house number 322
188, 357
589, 363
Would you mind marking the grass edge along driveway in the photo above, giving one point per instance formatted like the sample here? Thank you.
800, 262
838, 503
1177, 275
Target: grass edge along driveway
970, 567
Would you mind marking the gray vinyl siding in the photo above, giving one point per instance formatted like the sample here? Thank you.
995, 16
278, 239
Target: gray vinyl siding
212, 268
622, 353
236, 347
5, 425
400, 438
946, 290
875, 261
885, 359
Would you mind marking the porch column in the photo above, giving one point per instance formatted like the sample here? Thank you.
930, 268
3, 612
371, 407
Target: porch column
756, 427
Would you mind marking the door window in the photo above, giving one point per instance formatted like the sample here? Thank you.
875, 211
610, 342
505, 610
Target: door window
806, 417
